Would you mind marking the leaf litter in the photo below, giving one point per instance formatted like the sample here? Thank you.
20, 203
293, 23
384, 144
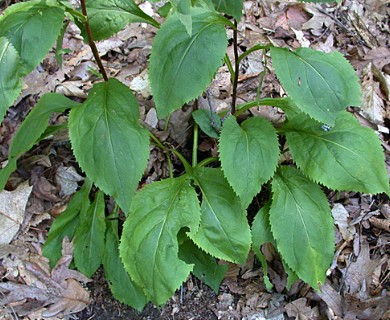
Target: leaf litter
358, 280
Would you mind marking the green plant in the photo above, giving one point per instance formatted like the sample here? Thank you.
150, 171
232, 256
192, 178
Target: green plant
171, 229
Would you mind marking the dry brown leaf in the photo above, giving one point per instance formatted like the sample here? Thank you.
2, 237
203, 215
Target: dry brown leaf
372, 107
67, 178
12, 210
332, 298
378, 56
340, 215
60, 289
300, 310
358, 273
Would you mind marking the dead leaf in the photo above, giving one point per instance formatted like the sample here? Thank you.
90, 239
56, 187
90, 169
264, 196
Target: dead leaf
60, 289
340, 215
141, 85
358, 272
378, 56
12, 210
67, 178
300, 310
332, 298
372, 105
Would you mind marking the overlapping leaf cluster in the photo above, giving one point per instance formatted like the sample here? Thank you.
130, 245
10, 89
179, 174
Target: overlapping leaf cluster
181, 225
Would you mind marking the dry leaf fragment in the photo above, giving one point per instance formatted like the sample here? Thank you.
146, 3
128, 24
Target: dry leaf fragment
372, 105
359, 271
341, 215
300, 310
12, 209
67, 178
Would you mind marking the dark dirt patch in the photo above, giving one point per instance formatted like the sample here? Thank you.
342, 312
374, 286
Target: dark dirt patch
195, 302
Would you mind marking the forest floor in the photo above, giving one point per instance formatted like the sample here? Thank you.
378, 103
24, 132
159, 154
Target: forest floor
359, 279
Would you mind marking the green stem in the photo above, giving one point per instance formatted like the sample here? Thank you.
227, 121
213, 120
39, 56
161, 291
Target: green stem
236, 67
195, 146
262, 75
91, 42
157, 141
253, 49
76, 14
229, 65
183, 160
281, 103
207, 161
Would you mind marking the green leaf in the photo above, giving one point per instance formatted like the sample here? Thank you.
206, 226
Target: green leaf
149, 245
302, 224
204, 120
261, 234
183, 9
107, 17
122, 287
66, 223
32, 27
249, 155
230, 7
89, 237
108, 141
10, 82
181, 66
320, 84
291, 275
206, 267
32, 128
224, 231
347, 157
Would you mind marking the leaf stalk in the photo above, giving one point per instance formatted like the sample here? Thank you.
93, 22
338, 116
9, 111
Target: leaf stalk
91, 42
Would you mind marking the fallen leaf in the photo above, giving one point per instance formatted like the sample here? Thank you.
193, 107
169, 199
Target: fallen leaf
358, 272
67, 178
378, 56
12, 210
60, 290
301, 310
372, 105
340, 216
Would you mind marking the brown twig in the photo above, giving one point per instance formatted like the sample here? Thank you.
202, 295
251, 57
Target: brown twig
92, 43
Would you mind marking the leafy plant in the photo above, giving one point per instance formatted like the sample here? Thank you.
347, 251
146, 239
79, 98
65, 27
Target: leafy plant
183, 224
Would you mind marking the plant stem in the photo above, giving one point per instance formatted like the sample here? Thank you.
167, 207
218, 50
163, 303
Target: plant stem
253, 49
281, 103
229, 65
91, 42
236, 67
207, 161
195, 146
158, 143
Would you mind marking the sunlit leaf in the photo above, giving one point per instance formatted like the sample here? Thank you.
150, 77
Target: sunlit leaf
108, 141
320, 84
181, 66
345, 157
302, 224
149, 246
224, 231
249, 155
